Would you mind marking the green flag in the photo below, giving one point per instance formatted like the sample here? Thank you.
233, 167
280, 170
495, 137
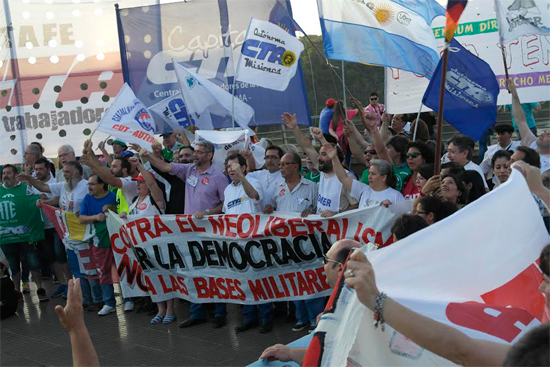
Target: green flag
20, 219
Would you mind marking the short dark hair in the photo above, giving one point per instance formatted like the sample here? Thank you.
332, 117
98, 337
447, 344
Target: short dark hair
76, 166
237, 156
478, 187
455, 169
186, 147
278, 149
342, 254
532, 349
459, 186
399, 143
441, 209
125, 163
424, 149
531, 156
463, 142
13, 168
504, 128
426, 170
43, 161
406, 225
101, 182
373, 93
500, 154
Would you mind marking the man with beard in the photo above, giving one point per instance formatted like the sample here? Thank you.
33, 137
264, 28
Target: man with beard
332, 198
204, 195
14, 251
65, 153
51, 250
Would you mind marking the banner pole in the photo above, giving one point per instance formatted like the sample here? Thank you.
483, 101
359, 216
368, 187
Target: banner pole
416, 123
440, 111
505, 63
344, 88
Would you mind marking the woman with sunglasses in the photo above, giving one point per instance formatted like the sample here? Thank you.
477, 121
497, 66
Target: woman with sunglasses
418, 154
368, 155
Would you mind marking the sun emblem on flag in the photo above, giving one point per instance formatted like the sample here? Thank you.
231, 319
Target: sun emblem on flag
382, 12
289, 58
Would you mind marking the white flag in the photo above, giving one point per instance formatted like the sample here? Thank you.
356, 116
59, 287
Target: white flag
269, 56
203, 99
129, 120
172, 115
520, 17
224, 142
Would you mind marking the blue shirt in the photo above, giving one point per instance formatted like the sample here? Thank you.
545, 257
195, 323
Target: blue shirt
324, 119
528, 108
92, 206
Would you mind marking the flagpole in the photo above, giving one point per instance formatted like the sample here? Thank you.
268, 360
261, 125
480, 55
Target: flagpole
505, 64
416, 123
440, 111
344, 88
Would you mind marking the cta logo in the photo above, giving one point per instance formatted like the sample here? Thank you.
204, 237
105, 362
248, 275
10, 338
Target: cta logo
268, 51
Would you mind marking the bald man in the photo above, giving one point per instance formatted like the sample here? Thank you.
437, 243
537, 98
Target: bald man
334, 263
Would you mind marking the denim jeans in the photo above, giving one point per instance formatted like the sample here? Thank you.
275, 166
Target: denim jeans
198, 311
308, 310
250, 312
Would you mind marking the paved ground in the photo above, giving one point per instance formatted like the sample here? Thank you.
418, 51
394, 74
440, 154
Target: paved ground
35, 338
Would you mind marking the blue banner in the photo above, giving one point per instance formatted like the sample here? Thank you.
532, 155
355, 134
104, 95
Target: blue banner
205, 37
471, 91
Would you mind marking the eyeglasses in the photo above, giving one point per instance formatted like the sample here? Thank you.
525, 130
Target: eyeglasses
271, 157
63, 155
373, 152
326, 260
413, 155
199, 152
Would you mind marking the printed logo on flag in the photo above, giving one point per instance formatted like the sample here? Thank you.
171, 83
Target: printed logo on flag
459, 85
191, 82
523, 12
144, 119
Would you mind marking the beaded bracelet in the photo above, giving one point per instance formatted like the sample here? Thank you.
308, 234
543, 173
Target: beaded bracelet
378, 306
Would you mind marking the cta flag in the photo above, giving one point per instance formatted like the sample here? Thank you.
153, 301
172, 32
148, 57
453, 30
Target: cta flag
170, 114
517, 18
204, 99
454, 10
269, 56
394, 33
450, 280
129, 120
20, 219
471, 91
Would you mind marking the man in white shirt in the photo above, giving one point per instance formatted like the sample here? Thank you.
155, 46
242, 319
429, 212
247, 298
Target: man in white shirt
528, 139
244, 195
461, 151
270, 176
504, 142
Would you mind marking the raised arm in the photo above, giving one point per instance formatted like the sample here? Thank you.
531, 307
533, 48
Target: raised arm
534, 181
357, 150
432, 335
379, 142
318, 134
182, 138
301, 139
154, 188
527, 136
384, 127
156, 161
106, 155
89, 158
341, 173
249, 190
34, 182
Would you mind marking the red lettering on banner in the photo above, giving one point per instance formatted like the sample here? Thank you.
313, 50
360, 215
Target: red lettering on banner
282, 280
201, 287
256, 227
150, 286
118, 250
194, 225
160, 227
144, 227
521, 292
182, 221
211, 288
358, 231
230, 224
322, 278
501, 322
380, 241
311, 277
333, 228
131, 270
302, 284
183, 286
257, 289
278, 227
290, 277
275, 287
121, 128
241, 296
267, 288
217, 225
344, 227
267, 233
314, 226
366, 233
240, 226
294, 223
128, 228
165, 288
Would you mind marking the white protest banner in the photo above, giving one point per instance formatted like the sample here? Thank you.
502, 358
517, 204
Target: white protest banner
475, 271
129, 120
527, 59
269, 56
203, 98
224, 142
247, 259
520, 18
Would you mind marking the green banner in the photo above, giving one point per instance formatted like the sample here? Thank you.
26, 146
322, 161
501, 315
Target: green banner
20, 219
471, 28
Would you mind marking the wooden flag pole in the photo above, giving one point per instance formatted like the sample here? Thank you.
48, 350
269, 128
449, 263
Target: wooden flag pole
505, 64
440, 111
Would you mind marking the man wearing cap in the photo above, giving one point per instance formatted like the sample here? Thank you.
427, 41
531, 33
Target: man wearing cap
204, 195
171, 145
504, 142
325, 117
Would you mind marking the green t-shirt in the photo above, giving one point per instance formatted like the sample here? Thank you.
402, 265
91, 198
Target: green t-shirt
400, 172
310, 176
169, 154
18, 190
365, 177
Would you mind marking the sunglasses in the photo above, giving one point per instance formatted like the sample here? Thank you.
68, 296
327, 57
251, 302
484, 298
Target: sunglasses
374, 99
326, 260
373, 152
413, 155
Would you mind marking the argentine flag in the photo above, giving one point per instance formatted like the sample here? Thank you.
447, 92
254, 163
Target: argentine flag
392, 33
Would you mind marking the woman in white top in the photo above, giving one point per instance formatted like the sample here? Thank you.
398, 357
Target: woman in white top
379, 191
149, 202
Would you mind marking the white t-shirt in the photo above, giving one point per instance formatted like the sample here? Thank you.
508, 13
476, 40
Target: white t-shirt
544, 159
471, 166
368, 197
129, 189
34, 191
237, 202
331, 195
143, 209
268, 181
70, 200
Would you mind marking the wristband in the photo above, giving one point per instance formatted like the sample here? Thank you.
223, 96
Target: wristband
378, 306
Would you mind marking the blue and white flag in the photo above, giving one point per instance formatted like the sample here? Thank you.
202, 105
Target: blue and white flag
517, 18
471, 91
391, 33
269, 56
171, 115
129, 120
203, 99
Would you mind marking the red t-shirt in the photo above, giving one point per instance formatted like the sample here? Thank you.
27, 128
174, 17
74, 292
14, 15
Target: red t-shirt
340, 129
411, 191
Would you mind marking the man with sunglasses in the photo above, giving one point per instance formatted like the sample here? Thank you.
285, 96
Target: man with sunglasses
368, 155
375, 109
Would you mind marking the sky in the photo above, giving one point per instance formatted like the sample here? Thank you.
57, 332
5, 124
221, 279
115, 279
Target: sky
306, 15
